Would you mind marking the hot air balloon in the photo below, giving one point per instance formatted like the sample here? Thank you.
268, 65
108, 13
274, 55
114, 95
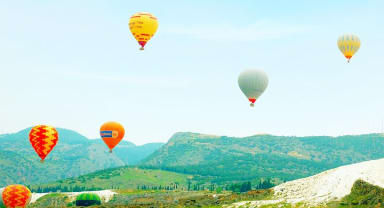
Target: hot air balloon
143, 26
348, 45
253, 83
43, 139
87, 199
16, 196
112, 133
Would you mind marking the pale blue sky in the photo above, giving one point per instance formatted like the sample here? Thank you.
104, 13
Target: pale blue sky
74, 64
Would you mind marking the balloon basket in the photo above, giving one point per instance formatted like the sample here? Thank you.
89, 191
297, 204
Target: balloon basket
110, 151
142, 49
252, 105
41, 161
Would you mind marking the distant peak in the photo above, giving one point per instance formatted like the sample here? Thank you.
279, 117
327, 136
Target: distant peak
191, 135
262, 134
64, 135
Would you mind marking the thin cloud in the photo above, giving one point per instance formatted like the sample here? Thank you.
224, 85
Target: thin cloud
261, 30
125, 79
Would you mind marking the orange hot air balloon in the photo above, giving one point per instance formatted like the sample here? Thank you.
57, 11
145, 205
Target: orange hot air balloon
16, 196
112, 133
43, 138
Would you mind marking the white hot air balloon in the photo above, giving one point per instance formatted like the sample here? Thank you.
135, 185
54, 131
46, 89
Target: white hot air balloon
253, 83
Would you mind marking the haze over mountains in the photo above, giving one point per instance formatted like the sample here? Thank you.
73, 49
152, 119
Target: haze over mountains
262, 156
74, 155
222, 159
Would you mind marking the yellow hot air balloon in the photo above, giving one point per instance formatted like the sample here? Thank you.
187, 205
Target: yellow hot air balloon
348, 45
143, 26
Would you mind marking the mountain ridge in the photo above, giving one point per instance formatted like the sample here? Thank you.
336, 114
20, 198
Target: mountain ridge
224, 158
73, 155
264, 155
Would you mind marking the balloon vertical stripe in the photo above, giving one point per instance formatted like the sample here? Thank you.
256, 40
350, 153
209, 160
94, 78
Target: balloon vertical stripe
348, 45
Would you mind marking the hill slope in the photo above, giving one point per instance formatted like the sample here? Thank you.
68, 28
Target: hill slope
73, 155
258, 156
364, 195
332, 184
118, 178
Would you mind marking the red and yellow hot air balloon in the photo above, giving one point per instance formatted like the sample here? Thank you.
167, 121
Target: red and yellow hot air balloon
16, 196
143, 26
112, 133
43, 139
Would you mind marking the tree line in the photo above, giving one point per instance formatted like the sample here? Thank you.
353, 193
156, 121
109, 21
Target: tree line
190, 186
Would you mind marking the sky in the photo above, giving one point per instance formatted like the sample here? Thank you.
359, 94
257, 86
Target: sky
74, 64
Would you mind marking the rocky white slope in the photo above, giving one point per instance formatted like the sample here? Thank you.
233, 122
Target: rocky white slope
330, 185
105, 195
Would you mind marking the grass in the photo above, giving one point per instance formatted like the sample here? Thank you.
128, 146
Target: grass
51, 200
298, 205
128, 198
363, 195
123, 178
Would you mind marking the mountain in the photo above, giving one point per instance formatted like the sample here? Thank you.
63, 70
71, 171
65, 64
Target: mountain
131, 154
74, 155
262, 156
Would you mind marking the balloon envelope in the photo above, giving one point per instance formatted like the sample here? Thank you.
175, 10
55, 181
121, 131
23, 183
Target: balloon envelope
253, 83
112, 133
43, 139
88, 199
143, 26
348, 45
16, 196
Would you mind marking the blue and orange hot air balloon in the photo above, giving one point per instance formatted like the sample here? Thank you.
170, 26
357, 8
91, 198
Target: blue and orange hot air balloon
112, 133
16, 196
43, 139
